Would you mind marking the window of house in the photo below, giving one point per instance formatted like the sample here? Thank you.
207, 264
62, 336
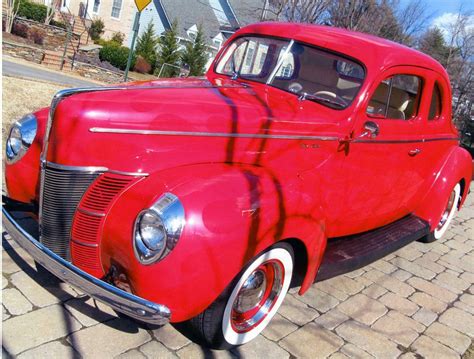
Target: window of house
396, 97
435, 106
192, 32
116, 8
249, 57
95, 8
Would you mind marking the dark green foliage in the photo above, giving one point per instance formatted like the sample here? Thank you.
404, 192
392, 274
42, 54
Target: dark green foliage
32, 11
195, 54
168, 53
115, 54
96, 29
118, 38
58, 24
432, 43
147, 44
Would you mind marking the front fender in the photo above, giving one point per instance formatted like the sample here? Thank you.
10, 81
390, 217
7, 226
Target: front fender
233, 212
455, 167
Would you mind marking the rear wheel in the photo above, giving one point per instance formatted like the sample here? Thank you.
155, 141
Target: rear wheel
447, 216
246, 307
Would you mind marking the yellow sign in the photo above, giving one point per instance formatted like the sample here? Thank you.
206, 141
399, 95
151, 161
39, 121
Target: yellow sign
141, 4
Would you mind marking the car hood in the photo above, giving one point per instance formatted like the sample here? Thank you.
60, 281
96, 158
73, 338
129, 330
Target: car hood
171, 122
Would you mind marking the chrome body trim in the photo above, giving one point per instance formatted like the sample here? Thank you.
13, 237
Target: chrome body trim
91, 245
135, 174
421, 140
209, 134
282, 59
93, 169
87, 169
121, 301
90, 213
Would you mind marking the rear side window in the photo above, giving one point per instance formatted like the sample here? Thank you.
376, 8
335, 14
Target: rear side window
435, 107
396, 97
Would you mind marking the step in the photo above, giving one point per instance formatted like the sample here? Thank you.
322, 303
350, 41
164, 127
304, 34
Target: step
345, 254
53, 59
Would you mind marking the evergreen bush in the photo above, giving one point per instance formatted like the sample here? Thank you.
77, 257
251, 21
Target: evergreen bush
32, 11
115, 54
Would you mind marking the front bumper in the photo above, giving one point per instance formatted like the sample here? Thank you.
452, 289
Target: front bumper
121, 301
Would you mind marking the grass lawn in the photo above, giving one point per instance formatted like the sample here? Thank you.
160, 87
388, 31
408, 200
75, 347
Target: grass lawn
20, 97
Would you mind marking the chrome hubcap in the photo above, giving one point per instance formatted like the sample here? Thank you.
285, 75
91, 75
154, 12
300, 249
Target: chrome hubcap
251, 292
257, 296
447, 211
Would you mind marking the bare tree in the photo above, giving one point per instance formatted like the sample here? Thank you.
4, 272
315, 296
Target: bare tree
51, 9
11, 11
412, 19
309, 11
460, 64
370, 16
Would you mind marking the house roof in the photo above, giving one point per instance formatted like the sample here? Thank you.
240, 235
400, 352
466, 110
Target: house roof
247, 11
201, 12
189, 13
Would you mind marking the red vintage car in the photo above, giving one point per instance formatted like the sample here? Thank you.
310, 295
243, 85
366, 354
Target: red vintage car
304, 153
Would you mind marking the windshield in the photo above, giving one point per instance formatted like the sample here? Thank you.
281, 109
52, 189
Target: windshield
308, 72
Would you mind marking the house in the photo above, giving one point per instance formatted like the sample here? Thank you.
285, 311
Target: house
219, 18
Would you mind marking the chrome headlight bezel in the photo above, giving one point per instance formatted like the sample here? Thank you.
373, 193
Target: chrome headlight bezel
20, 137
169, 214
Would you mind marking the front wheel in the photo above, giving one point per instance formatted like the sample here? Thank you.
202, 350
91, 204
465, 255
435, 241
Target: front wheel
246, 307
448, 214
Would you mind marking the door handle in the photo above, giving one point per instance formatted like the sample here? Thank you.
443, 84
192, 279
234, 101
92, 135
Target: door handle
414, 152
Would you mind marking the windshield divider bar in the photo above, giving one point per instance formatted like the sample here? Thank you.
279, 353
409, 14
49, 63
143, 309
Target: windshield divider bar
280, 62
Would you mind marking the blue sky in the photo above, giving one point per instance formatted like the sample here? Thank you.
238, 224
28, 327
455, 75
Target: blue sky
439, 8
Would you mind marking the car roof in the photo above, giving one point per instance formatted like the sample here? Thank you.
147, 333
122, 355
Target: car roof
374, 52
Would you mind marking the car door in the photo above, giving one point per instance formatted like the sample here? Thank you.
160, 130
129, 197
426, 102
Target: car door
385, 151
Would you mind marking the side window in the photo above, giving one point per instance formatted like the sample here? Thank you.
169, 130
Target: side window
397, 97
435, 106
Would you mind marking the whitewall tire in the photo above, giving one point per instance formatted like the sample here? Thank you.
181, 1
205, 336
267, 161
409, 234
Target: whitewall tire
249, 303
449, 211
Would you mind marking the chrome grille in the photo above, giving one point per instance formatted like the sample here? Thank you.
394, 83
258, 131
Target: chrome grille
62, 191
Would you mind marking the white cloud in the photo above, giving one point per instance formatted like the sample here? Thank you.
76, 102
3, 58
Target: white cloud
447, 20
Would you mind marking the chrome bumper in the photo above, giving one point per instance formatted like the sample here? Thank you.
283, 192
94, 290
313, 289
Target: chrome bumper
121, 301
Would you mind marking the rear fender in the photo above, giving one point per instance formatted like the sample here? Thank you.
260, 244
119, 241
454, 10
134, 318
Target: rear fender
454, 168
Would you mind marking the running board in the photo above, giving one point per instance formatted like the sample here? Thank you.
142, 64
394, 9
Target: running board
345, 254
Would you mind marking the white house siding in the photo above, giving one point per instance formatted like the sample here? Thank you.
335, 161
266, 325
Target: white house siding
149, 14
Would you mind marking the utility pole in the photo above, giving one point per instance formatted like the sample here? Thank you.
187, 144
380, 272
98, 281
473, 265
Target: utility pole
136, 27
264, 11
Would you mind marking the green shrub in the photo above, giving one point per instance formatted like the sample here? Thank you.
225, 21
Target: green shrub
60, 24
32, 11
96, 29
115, 54
118, 38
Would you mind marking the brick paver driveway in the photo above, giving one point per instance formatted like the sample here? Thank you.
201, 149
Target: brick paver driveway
418, 302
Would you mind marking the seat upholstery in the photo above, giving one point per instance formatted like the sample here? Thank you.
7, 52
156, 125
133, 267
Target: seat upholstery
399, 102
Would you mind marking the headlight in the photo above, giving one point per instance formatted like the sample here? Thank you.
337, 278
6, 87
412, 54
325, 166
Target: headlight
21, 136
157, 229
